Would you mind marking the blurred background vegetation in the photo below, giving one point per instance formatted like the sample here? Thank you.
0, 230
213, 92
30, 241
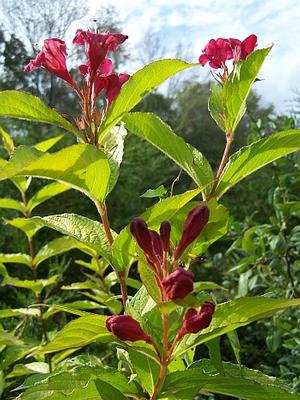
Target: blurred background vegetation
259, 255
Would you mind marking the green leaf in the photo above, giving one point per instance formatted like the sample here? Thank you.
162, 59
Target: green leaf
206, 285
214, 351
32, 312
255, 156
29, 226
85, 230
216, 227
147, 370
21, 105
35, 285
7, 141
108, 392
54, 248
78, 384
79, 333
46, 193
28, 369
237, 87
81, 166
246, 384
235, 345
234, 314
47, 144
141, 83
160, 192
215, 105
12, 204
16, 258
124, 246
113, 147
151, 128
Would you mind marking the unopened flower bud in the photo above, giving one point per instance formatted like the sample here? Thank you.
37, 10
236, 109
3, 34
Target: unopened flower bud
124, 327
196, 220
165, 232
156, 244
178, 284
195, 321
141, 233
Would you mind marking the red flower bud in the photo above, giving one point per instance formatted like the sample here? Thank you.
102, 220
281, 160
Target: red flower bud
124, 327
196, 220
178, 284
194, 321
156, 244
141, 233
165, 232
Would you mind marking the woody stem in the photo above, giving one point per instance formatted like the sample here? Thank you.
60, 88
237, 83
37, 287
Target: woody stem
102, 210
164, 360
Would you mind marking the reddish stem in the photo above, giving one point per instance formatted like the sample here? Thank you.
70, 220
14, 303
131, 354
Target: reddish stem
229, 140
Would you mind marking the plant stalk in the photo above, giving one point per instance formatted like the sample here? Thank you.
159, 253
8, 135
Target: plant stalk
229, 140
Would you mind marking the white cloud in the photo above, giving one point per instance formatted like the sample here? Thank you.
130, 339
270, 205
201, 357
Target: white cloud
195, 22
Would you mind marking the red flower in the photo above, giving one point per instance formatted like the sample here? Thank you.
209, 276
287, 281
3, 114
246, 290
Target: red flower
97, 46
196, 220
178, 284
242, 49
52, 57
195, 321
124, 327
216, 52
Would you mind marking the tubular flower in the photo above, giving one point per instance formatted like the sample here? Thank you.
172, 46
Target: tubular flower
165, 232
216, 52
196, 220
178, 284
124, 327
97, 46
194, 321
241, 50
52, 57
141, 233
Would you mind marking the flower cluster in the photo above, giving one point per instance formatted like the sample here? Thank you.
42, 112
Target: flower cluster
174, 281
217, 52
97, 72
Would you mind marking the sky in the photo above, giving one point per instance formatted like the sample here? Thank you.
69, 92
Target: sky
194, 22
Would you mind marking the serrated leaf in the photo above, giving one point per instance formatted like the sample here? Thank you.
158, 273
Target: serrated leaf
47, 144
108, 392
29, 226
151, 128
32, 312
141, 83
56, 247
16, 258
79, 333
234, 314
7, 141
46, 193
246, 384
21, 105
255, 156
237, 87
113, 147
12, 204
81, 166
147, 370
160, 192
75, 385
87, 231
